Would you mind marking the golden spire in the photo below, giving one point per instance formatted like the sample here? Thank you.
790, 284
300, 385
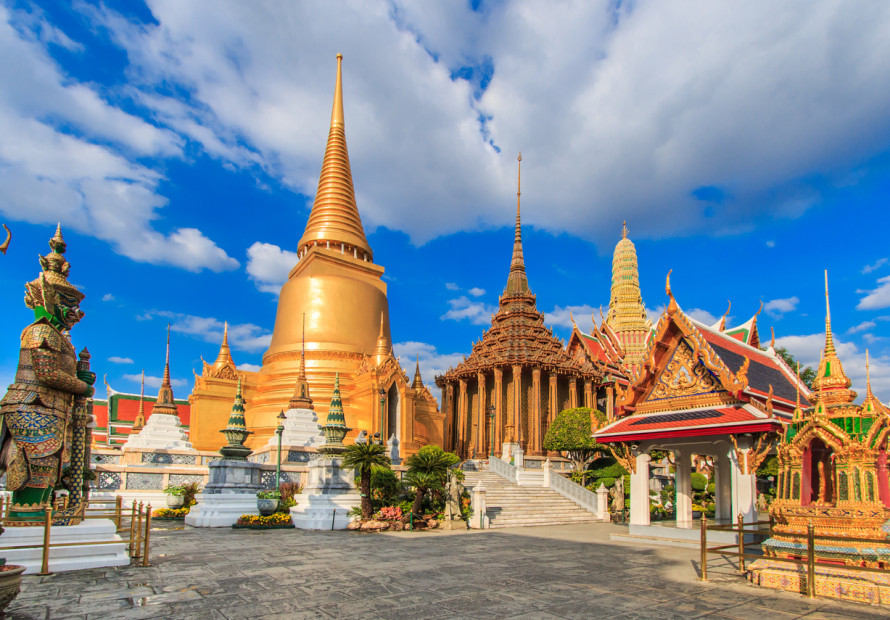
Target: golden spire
384, 346
627, 315
301, 398
418, 381
139, 422
624, 229
224, 359
868, 392
334, 220
831, 382
165, 403
517, 282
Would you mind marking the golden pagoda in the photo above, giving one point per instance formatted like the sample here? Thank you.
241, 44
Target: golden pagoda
832, 474
337, 290
519, 368
627, 314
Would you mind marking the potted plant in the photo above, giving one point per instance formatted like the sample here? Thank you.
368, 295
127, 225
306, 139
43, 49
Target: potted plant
267, 501
10, 582
175, 495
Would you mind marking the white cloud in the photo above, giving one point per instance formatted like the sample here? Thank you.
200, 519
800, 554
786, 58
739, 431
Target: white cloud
778, 307
878, 297
249, 367
770, 244
114, 359
561, 317
155, 382
268, 266
654, 314
107, 297
432, 363
864, 326
451, 286
618, 107
703, 316
876, 265
70, 156
808, 349
479, 313
244, 337
476, 291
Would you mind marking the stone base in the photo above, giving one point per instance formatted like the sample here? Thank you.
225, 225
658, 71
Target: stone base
229, 476
67, 558
324, 511
161, 432
456, 524
220, 509
847, 585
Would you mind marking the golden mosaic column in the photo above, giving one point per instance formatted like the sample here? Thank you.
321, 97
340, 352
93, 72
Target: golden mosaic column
449, 417
553, 404
536, 439
517, 404
588, 394
573, 392
480, 416
462, 417
499, 408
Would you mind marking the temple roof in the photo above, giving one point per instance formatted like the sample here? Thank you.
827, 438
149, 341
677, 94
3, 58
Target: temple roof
832, 384
700, 421
517, 334
334, 217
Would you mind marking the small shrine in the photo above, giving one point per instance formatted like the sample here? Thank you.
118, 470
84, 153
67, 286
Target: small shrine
832, 474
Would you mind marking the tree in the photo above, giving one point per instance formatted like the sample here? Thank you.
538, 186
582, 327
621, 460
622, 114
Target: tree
428, 470
363, 457
571, 434
807, 374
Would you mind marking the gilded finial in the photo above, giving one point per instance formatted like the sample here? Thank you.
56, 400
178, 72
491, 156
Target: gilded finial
5, 245
829, 340
672, 306
759, 310
139, 422
624, 229
166, 382
337, 117
572, 316
868, 392
517, 282
772, 342
725, 314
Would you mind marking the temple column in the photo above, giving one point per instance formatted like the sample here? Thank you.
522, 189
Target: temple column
744, 486
517, 404
481, 435
554, 406
498, 409
536, 434
683, 485
449, 417
610, 403
462, 417
723, 488
573, 392
588, 394
639, 491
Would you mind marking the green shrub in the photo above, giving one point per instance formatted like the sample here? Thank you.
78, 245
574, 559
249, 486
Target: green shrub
699, 482
711, 488
711, 506
608, 482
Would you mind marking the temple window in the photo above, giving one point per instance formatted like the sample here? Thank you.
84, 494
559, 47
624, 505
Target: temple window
842, 487
818, 481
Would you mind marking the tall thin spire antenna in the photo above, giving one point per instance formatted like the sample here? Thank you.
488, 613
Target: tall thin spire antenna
868, 393
303, 349
166, 382
829, 340
139, 422
517, 282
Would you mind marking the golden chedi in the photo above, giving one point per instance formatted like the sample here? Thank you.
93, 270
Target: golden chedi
338, 288
627, 314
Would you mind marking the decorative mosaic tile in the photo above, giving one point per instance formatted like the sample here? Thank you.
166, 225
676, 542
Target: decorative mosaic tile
177, 479
102, 459
533, 464
145, 482
259, 458
294, 456
267, 478
168, 459
108, 481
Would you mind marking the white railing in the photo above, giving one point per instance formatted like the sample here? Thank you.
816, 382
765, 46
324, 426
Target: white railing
502, 468
585, 498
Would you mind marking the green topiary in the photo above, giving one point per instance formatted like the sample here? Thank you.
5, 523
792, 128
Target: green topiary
571, 434
711, 488
607, 482
699, 482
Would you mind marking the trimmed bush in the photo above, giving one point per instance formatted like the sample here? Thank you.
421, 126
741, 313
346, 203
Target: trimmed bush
699, 482
711, 488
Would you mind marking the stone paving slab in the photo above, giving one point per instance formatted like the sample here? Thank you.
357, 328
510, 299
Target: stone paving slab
563, 572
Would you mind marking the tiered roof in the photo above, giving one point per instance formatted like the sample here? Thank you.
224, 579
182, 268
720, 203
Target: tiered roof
517, 335
627, 314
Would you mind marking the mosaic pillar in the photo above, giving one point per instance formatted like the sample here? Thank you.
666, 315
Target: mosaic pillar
554, 406
610, 402
573, 392
449, 417
517, 404
481, 416
498, 409
588, 394
536, 434
462, 416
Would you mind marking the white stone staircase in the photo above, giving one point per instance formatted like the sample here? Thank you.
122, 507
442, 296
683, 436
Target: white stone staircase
510, 505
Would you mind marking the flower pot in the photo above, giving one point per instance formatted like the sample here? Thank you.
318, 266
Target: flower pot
10, 583
266, 506
175, 501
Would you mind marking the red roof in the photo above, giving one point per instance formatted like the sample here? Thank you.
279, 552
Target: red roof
688, 423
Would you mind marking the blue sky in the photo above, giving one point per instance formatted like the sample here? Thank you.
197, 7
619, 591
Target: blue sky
179, 144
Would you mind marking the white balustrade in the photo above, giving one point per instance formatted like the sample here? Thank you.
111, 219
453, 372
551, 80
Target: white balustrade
502, 468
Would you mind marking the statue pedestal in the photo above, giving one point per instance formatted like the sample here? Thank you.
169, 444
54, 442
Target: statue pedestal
67, 558
454, 524
230, 493
327, 497
162, 432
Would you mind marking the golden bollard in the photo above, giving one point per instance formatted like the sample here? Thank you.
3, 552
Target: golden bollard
132, 526
704, 548
741, 543
47, 524
811, 560
147, 535
139, 535
118, 504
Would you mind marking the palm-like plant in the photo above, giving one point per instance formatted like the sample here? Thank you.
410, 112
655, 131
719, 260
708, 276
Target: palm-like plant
422, 482
363, 457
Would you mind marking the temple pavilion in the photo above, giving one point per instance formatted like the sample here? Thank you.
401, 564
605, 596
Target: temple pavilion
702, 390
332, 320
517, 377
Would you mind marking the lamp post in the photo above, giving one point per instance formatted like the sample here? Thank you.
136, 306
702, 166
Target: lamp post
491, 425
279, 431
382, 410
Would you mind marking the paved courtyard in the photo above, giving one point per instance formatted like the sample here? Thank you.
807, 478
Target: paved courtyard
557, 572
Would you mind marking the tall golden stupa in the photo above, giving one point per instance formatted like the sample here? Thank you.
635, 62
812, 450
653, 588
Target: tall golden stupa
337, 290
627, 314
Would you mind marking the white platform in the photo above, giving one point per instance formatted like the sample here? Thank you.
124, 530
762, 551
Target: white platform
327, 497
220, 509
300, 430
162, 432
66, 558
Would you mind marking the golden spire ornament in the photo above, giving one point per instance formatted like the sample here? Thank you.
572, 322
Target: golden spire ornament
517, 281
